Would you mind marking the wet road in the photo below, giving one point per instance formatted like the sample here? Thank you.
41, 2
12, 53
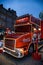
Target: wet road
6, 59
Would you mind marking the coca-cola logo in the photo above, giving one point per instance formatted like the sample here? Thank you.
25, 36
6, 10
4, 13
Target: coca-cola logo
26, 40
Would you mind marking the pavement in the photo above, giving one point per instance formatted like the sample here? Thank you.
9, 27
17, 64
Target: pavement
41, 52
6, 59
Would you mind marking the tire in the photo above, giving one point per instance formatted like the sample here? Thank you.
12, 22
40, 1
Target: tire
31, 49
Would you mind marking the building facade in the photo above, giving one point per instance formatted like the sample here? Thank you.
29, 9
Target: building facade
7, 18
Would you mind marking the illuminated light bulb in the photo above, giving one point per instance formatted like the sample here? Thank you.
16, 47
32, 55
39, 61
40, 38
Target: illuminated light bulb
34, 29
39, 29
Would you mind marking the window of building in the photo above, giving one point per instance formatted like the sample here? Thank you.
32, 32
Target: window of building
2, 23
9, 19
2, 16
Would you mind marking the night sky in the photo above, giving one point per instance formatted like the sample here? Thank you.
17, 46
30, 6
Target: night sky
22, 7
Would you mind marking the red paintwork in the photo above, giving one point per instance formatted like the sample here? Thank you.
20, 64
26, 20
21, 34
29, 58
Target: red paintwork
15, 35
20, 43
23, 20
36, 56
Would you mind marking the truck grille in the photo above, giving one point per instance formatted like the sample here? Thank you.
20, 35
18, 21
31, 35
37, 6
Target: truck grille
9, 43
10, 52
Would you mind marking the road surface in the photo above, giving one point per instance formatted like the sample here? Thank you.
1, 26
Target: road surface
6, 59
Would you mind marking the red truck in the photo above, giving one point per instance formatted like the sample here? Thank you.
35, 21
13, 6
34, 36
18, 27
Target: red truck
19, 43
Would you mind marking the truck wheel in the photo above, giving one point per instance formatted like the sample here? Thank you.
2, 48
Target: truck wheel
31, 49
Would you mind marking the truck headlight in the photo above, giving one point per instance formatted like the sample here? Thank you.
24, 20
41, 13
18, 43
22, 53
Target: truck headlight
20, 49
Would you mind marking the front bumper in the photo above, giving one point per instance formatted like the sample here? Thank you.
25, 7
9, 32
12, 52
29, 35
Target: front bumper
16, 53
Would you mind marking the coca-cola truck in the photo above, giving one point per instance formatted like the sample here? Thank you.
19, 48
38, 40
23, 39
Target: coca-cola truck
19, 43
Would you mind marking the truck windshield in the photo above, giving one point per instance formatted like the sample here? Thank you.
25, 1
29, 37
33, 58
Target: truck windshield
24, 28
